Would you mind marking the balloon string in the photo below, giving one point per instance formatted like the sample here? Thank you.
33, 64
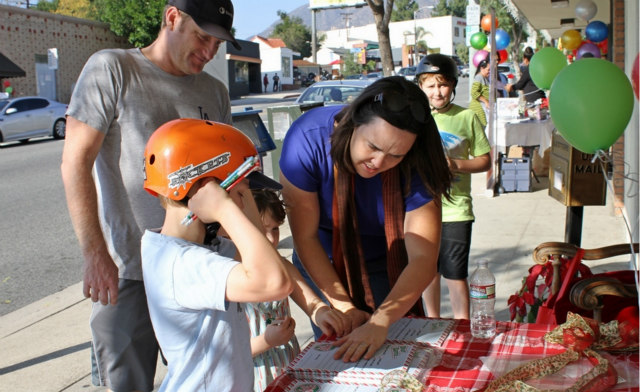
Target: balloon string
606, 162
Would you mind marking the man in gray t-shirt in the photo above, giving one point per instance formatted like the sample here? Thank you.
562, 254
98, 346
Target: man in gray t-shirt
120, 98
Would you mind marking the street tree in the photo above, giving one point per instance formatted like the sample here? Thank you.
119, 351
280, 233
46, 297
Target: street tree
138, 21
84, 9
403, 10
46, 6
382, 10
294, 33
422, 35
450, 7
506, 21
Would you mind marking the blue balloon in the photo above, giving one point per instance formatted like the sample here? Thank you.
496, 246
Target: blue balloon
502, 39
596, 31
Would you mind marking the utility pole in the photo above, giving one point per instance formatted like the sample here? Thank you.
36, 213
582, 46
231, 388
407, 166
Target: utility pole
346, 16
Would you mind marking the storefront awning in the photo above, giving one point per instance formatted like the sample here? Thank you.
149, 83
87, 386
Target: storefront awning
8, 69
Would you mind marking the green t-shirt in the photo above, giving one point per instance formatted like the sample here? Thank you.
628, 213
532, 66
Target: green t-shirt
462, 136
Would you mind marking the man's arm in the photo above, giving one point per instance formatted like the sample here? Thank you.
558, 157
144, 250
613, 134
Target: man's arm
81, 147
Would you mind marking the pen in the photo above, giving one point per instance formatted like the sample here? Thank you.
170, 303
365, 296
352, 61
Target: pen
232, 180
238, 173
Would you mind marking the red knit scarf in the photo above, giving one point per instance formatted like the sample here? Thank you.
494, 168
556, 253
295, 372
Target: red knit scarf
348, 259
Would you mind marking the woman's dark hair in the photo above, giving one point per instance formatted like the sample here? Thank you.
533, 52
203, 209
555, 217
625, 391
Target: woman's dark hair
402, 104
482, 64
528, 53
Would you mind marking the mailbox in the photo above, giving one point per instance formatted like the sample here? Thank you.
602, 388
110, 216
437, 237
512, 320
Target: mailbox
250, 123
574, 180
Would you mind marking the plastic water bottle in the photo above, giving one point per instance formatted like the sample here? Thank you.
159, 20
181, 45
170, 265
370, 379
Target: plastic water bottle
482, 288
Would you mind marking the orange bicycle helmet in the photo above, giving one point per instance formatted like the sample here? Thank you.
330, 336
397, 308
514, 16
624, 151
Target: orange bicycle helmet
181, 152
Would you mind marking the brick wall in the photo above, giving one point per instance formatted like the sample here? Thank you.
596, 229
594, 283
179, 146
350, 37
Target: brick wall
617, 57
26, 34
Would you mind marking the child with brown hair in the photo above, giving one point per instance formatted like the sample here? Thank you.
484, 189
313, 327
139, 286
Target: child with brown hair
467, 151
273, 342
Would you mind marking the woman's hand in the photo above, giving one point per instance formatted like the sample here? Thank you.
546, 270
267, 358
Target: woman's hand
363, 342
357, 317
280, 332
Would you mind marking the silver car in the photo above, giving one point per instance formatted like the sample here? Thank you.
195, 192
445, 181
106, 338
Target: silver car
333, 91
24, 118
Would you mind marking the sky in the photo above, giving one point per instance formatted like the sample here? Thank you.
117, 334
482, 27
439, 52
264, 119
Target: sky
254, 16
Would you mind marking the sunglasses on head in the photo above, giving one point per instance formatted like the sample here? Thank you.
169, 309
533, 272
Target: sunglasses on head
396, 102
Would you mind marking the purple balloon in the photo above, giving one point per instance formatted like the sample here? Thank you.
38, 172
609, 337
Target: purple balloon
479, 56
588, 50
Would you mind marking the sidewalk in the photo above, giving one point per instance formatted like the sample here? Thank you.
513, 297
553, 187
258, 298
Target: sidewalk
45, 346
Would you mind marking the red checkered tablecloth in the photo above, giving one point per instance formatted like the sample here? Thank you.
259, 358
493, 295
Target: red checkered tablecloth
467, 364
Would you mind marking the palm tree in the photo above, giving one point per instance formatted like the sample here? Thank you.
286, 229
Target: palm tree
421, 43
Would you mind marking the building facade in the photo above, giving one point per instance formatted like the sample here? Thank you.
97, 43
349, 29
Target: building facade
51, 49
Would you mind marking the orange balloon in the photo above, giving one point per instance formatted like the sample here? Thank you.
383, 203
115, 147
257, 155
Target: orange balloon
571, 39
485, 23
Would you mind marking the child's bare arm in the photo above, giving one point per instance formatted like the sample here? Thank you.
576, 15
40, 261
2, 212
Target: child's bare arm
330, 321
261, 276
477, 164
273, 336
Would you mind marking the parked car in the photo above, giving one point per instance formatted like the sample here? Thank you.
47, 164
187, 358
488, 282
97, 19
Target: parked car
409, 73
463, 71
333, 92
24, 118
373, 75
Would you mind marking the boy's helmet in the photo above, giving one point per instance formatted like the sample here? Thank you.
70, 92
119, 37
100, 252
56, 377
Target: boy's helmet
181, 152
439, 64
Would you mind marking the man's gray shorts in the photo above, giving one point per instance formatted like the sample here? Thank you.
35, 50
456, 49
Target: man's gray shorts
125, 349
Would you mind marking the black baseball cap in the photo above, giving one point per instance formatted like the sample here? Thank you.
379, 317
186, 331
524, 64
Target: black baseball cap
213, 16
258, 180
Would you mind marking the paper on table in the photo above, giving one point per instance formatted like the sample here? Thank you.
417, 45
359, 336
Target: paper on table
316, 363
320, 386
432, 331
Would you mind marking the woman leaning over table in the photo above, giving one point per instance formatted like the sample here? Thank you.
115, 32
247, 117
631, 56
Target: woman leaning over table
357, 178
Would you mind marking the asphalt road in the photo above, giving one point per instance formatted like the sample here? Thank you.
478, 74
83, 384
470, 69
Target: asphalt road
39, 253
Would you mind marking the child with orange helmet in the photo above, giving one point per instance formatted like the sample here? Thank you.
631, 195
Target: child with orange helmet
195, 291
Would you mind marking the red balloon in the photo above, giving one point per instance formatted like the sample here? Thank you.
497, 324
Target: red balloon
485, 23
502, 56
635, 76
603, 45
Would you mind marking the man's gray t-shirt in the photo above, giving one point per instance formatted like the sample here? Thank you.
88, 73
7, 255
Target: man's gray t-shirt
127, 97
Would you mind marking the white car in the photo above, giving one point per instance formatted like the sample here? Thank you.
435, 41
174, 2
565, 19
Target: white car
333, 92
24, 118
409, 73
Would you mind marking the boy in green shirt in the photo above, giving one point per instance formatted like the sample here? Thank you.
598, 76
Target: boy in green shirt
467, 151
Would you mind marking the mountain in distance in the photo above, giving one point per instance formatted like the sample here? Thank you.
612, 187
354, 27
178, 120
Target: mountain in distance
337, 18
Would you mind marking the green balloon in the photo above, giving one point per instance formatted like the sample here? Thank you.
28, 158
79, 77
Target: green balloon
478, 40
591, 102
545, 65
